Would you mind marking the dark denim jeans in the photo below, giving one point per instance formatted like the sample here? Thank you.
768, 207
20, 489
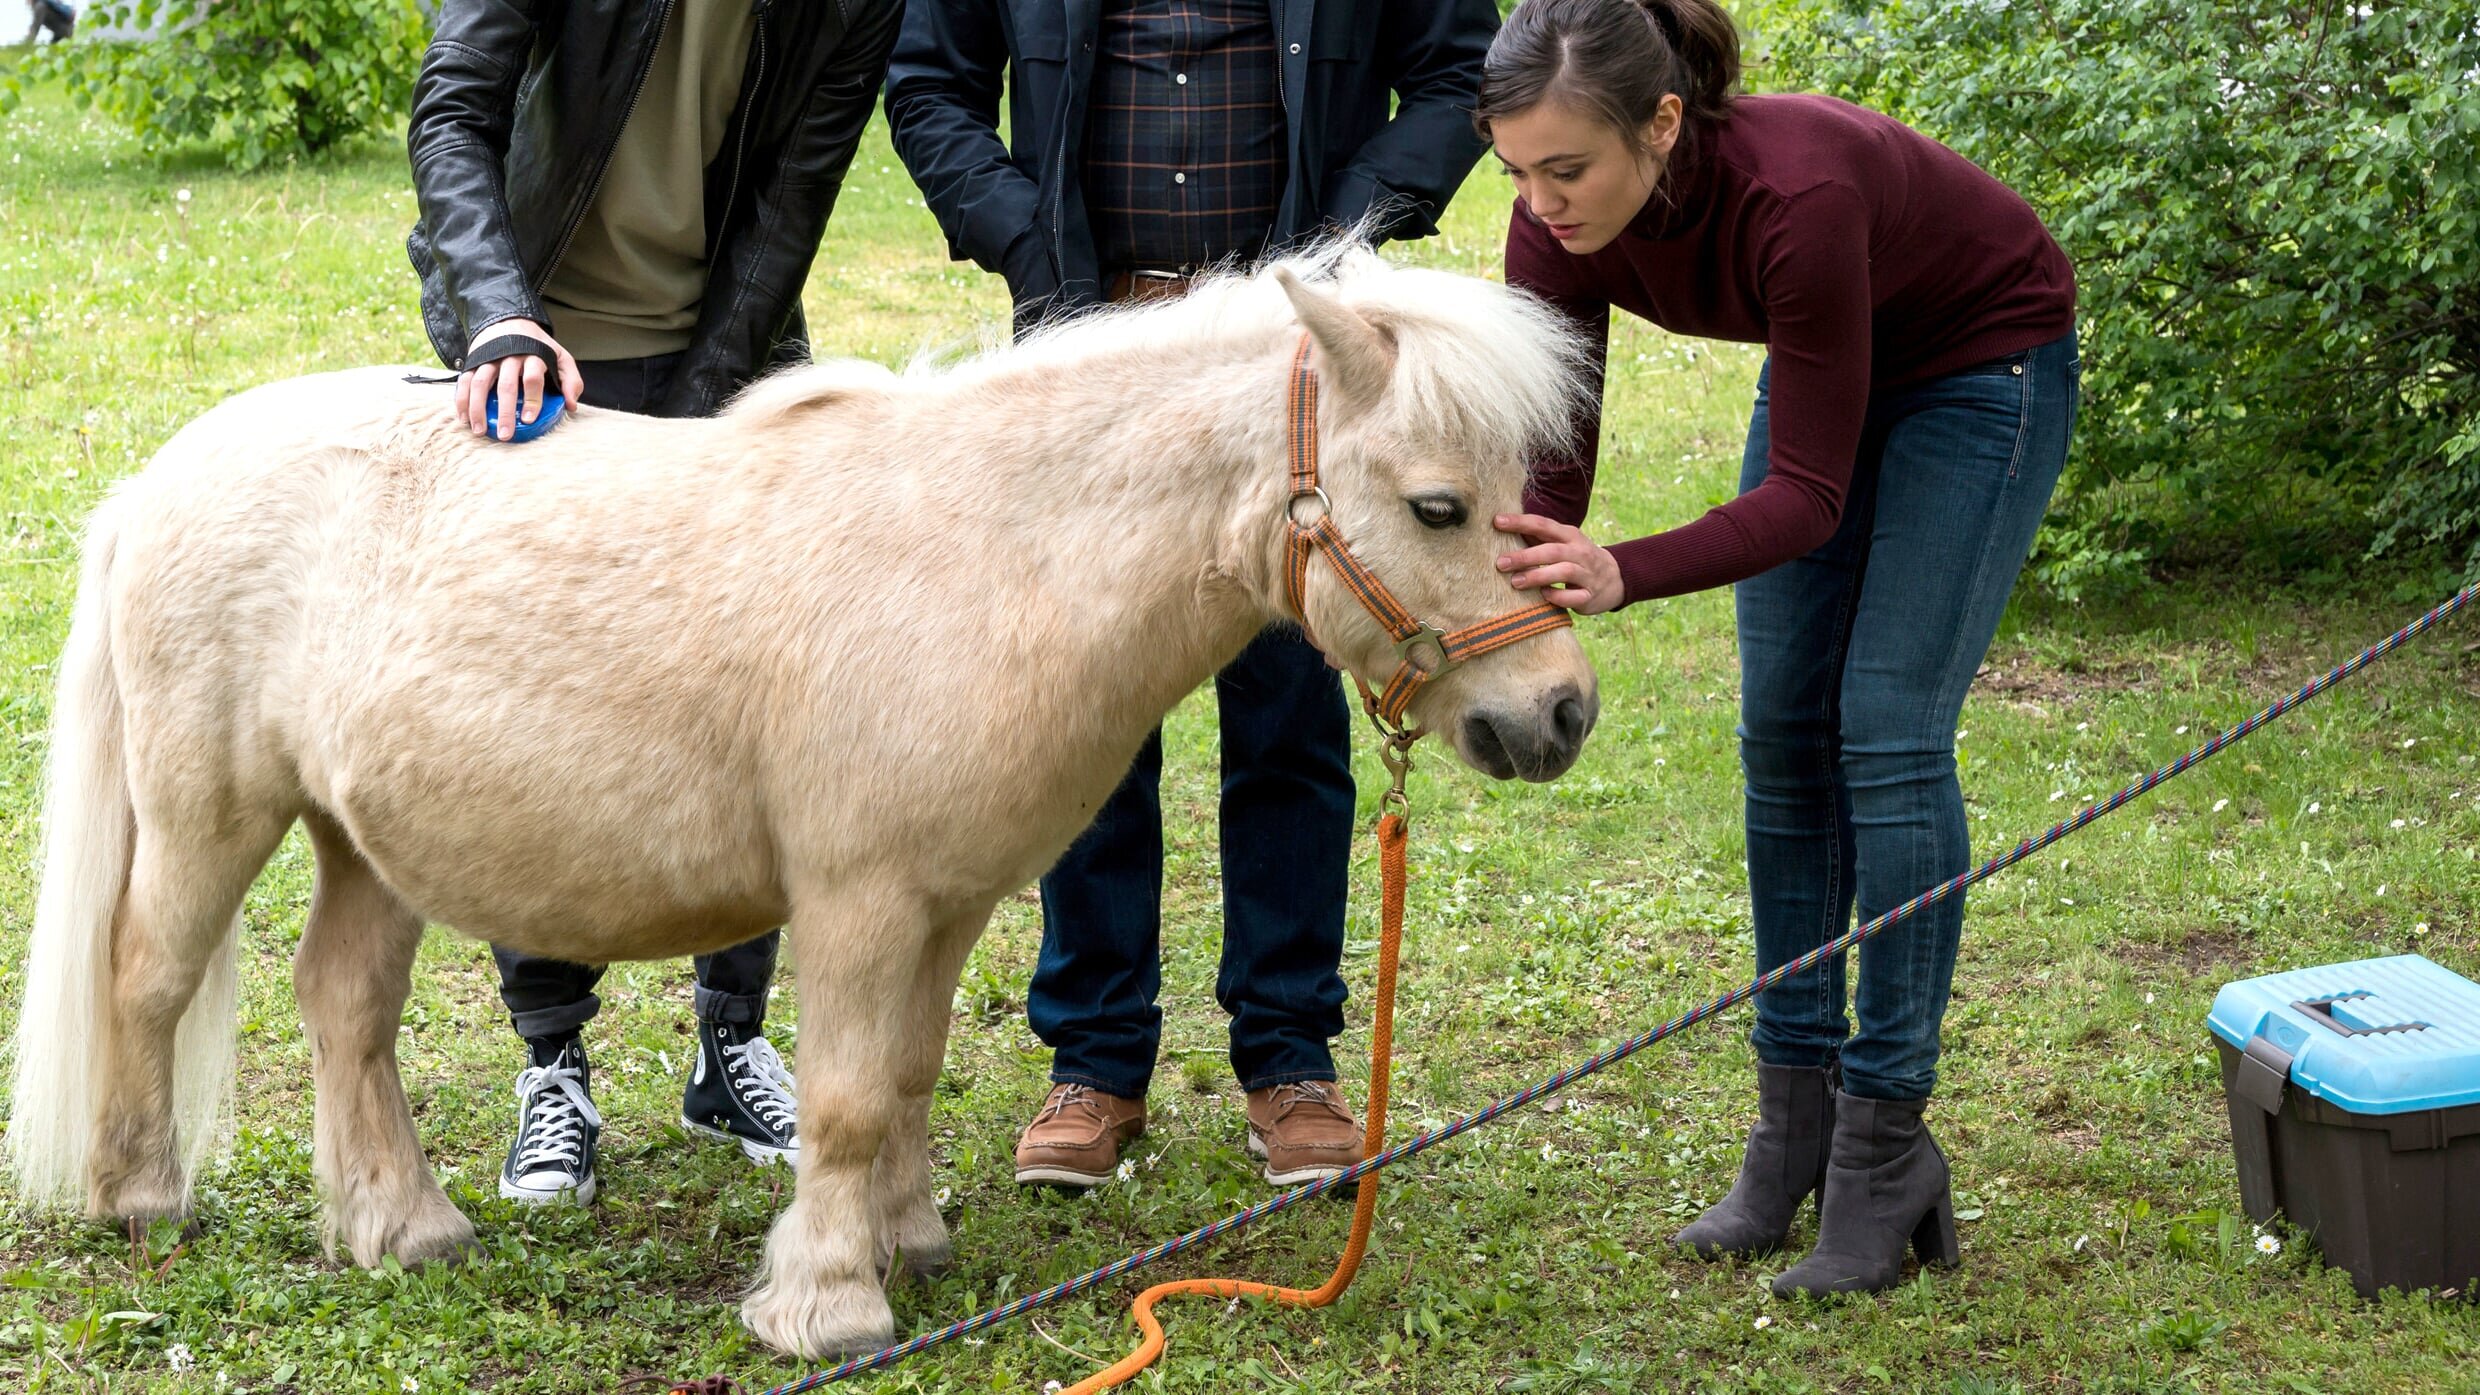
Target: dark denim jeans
1286, 836
552, 997
1854, 661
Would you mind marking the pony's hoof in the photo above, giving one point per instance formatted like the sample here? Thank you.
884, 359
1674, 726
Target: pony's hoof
929, 1261
821, 1323
433, 1233
139, 1198
451, 1242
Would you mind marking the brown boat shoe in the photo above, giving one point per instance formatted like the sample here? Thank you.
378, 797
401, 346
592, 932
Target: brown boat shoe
1075, 1138
1304, 1131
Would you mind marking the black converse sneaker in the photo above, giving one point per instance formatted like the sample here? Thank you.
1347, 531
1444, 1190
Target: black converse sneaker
740, 1091
552, 1158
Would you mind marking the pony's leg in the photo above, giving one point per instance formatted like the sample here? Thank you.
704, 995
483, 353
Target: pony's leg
187, 878
857, 952
351, 975
908, 1208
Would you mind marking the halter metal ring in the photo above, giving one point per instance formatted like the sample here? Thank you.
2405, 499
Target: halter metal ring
1291, 507
1433, 637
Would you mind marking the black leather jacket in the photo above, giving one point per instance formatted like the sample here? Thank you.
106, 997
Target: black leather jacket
515, 114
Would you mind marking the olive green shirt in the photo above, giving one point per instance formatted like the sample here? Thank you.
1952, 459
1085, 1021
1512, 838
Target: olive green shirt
630, 282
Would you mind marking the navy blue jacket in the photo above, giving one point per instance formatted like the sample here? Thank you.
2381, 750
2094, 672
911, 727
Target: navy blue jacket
1021, 212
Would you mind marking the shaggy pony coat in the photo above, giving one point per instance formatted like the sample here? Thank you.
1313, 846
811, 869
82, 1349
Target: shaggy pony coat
860, 656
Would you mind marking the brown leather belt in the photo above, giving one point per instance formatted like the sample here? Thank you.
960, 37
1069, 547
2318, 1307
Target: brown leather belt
1142, 286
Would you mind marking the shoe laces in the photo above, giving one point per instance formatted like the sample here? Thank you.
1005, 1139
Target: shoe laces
1293, 1094
1070, 1095
554, 1111
759, 1077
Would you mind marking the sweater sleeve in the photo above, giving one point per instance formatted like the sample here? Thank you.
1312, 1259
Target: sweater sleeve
1559, 481
1813, 265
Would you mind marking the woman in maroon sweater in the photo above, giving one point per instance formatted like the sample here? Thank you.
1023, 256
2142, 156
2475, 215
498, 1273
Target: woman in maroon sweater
1919, 390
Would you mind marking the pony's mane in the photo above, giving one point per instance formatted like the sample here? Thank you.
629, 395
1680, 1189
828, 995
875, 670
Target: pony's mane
1491, 366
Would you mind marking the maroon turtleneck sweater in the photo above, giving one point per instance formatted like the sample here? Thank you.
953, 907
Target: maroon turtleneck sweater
1865, 257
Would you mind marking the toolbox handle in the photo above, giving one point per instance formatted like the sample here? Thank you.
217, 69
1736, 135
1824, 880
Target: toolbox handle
2320, 1011
2264, 1070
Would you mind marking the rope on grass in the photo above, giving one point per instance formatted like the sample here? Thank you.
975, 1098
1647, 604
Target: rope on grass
1421, 1142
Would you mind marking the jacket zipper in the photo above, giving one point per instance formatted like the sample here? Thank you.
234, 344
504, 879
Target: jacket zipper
749, 104
1281, 93
1059, 194
662, 16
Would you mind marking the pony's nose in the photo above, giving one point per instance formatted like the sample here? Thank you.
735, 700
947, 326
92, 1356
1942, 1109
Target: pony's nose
1538, 745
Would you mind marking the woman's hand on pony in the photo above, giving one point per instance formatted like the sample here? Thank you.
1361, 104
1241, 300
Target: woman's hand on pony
1578, 572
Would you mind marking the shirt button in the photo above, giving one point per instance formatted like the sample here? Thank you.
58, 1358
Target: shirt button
1181, 79
1179, 179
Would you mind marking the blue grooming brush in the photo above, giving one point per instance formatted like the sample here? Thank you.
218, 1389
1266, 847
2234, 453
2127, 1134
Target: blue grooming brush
543, 420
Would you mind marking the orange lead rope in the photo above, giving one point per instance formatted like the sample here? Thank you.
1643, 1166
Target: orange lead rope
1439, 651
1373, 1139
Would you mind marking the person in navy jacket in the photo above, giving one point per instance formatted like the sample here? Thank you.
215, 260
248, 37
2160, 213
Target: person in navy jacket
1150, 140
1018, 207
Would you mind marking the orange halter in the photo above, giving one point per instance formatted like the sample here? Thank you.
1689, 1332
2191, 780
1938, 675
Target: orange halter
1424, 651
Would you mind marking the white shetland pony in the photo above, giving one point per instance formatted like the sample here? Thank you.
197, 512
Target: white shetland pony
859, 656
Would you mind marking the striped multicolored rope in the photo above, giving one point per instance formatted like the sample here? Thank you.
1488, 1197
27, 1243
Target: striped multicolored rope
1422, 1142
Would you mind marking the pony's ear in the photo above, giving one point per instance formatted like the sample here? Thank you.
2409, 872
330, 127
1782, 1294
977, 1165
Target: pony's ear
1356, 357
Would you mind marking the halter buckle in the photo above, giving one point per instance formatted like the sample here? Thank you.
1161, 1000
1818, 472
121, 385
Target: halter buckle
1435, 638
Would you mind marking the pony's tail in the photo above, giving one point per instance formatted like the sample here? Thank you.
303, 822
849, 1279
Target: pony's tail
89, 827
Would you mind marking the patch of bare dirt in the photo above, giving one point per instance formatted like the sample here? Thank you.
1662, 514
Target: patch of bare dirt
2198, 951
2022, 679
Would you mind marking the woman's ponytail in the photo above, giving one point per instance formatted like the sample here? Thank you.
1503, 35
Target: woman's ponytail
1613, 59
1707, 45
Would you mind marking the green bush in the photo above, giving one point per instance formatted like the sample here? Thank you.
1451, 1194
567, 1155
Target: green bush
253, 80
2274, 212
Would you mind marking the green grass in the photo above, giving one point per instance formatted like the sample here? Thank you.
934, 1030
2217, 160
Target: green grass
2081, 1105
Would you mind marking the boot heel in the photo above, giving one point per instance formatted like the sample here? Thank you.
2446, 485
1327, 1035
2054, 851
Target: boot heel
1934, 1238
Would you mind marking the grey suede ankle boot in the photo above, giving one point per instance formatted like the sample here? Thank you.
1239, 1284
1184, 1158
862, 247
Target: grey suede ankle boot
1785, 1162
1886, 1187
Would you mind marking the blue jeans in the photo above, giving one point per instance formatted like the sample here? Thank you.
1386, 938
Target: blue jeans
1854, 661
1286, 837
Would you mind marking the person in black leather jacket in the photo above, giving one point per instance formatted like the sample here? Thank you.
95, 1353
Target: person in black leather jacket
516, 113
646, 180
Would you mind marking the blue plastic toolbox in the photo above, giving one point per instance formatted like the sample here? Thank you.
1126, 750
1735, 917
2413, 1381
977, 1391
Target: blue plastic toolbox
2354, 1095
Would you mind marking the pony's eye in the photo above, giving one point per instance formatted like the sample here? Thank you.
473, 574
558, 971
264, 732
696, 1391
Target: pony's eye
1439, 511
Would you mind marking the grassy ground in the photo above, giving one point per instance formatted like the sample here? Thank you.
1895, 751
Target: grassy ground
2082, 1107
